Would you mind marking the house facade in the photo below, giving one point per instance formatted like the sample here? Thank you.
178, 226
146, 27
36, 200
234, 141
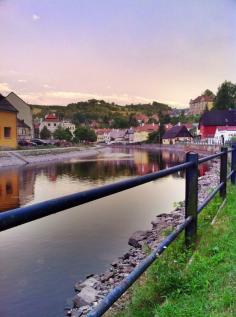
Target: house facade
23, 131
52, 123
200, 104
177, 134
8, 124
24, 111
224, 134
210, 120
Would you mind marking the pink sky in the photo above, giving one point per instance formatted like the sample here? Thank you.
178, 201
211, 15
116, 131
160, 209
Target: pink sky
126, 51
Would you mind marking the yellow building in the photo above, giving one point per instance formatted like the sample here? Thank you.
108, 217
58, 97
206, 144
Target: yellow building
8, 124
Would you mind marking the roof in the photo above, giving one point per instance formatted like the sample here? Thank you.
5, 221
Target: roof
177, 131
5, 105
202, 98
226, 128
22, 124
218, 118
51, 117
147, 128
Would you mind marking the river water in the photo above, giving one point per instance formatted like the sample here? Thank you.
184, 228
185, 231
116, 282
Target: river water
40, 261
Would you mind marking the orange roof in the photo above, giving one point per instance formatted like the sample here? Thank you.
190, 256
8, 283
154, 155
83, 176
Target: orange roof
147, 128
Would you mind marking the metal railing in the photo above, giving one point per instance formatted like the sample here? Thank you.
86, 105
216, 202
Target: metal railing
19, 216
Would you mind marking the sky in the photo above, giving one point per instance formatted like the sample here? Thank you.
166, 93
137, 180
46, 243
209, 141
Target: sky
126, 51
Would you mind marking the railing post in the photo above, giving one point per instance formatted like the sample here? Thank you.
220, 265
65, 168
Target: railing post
233, 164
191, 198
223, 171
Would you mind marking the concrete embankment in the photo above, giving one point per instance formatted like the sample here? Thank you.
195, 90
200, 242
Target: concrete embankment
92, 290
34, 156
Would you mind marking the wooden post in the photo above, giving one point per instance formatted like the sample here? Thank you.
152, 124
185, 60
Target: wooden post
191, 198
233, 164
223, 172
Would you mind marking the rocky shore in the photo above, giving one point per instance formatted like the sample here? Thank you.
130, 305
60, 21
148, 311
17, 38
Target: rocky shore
95, 287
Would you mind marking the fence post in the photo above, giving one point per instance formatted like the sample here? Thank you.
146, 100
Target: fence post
233, 164
191, 198
223, 171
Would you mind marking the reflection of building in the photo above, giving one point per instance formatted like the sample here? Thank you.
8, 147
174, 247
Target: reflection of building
9, 190
7, 124
16, 187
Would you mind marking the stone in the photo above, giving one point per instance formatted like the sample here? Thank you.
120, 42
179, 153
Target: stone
105, 277
86, 297
91, 281
138, 236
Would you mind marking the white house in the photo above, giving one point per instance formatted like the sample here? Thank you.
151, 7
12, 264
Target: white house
224, 133
52, 123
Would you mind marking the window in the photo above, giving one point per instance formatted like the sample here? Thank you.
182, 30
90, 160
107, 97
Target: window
48, 124
7, 132
55, 124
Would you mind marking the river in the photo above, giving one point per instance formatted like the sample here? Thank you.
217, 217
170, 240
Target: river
41, 261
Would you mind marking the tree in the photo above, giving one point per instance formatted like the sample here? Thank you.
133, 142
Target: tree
85, 134
208, 93
226, 96
120, 123
45, 133
154, 137
62, 134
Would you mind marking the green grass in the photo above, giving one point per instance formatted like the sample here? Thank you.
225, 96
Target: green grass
200, 282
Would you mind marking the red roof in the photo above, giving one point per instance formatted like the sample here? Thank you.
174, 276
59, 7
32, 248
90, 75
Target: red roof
147, 128
51, 117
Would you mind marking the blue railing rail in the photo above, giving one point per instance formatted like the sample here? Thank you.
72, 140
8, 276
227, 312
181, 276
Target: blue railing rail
19, 216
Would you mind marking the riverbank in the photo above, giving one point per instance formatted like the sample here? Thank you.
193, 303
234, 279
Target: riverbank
34, 156
183, 284
96, 287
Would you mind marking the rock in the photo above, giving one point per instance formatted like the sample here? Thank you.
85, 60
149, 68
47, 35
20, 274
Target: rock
91, 281
105, 277
76, 313
86, 297
138, 236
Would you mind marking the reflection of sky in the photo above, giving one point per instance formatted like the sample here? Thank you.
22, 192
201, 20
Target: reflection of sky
125, 51
44, 258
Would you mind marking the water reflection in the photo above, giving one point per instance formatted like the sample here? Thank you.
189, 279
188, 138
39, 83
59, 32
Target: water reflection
17, 185
44, 258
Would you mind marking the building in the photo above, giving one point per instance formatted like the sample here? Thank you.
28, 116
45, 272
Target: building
52, 123
24, 110
141, 118
23, 130
178, 133
210, 120
224, 134
200, 104
141, 133
103, 135
8, 124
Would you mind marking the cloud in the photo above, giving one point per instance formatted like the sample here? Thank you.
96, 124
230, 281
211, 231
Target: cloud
22, 81
4, 87
35, 17
75, 95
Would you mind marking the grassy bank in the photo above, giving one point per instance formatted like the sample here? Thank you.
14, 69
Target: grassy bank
200, 283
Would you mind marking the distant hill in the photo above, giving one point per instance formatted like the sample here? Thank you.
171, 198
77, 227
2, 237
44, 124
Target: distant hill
99, 110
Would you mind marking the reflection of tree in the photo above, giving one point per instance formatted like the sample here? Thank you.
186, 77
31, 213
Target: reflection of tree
17, 185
